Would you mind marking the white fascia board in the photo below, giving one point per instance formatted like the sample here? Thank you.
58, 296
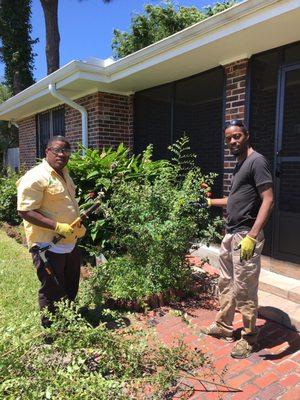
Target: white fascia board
202, 28
68, 73
201, 34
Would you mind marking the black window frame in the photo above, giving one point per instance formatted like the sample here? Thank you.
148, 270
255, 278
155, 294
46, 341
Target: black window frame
54, 115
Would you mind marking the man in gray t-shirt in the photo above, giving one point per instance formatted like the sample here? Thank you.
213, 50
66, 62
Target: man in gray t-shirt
249, 205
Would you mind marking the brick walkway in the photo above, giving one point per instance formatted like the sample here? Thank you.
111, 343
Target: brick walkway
271, 373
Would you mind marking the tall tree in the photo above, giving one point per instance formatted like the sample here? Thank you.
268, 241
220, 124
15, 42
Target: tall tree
158, 22
50, 9
16, 52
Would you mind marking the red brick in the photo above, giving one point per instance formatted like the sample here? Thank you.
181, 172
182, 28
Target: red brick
292, 394
247, 393
223, 351
260, 368
266, 380
240, 365
279, 348
272, 392
239, 380
27, 142
223, 363
286, 367
290, 380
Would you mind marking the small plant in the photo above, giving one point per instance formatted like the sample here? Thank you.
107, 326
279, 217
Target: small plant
8, 195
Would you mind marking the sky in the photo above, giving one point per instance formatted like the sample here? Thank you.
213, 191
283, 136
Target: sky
86, 28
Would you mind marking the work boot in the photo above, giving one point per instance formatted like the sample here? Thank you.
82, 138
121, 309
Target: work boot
243, 349
217, 332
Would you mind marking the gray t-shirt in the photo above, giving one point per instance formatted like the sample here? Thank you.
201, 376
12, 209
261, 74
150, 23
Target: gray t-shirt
244, 199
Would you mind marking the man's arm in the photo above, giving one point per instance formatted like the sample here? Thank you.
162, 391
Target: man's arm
218, 202
63, 229
36, 218
267, 197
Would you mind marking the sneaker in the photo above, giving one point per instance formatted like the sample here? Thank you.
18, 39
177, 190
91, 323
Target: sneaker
243, 349
217, 332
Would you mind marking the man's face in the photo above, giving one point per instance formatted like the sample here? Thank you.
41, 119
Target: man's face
57, 155
236, 140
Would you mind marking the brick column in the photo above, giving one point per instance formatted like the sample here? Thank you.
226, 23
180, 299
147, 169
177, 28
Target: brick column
27, 142
236, 75
115, 121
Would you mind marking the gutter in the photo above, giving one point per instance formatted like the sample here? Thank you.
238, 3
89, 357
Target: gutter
81, 109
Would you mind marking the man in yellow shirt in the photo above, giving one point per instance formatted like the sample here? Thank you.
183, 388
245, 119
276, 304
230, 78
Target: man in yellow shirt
47, 204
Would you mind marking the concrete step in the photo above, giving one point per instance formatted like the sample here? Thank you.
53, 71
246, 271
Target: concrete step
285, 312
279, 285
271, 282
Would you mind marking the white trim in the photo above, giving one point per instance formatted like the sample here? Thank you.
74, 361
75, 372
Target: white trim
234, 59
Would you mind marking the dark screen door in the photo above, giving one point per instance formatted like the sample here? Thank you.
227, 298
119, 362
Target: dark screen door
287, 175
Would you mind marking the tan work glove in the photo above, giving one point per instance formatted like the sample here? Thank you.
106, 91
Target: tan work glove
63, 229
247, 246
79, 230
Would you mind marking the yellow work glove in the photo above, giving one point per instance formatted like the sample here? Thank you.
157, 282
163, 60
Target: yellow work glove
79, 230
247, 246
63, 229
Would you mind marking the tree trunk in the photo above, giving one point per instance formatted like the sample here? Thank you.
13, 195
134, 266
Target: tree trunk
50, 8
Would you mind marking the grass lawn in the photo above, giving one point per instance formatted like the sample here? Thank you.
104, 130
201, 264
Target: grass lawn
18, 285
82, 362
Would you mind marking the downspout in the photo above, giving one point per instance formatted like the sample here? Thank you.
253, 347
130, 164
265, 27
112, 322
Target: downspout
12, 122
82, 110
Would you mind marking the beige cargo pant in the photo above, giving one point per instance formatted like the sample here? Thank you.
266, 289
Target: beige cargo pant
238, 285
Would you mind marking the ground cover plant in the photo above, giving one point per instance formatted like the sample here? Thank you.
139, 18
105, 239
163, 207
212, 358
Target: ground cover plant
83, 362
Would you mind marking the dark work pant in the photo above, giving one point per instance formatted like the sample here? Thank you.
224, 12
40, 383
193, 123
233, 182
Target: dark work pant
67, 270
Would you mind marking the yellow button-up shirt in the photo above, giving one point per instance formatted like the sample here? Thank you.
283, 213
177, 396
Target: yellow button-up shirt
43, 190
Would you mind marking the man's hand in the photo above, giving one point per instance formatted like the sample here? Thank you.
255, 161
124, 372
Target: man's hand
201, 203
79, 230
247, 246
63, 229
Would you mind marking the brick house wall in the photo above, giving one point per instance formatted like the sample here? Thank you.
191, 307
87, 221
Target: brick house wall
27, 141
235, 108
110, 122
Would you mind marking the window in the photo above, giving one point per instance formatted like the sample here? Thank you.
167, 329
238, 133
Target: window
192, 106
49, 123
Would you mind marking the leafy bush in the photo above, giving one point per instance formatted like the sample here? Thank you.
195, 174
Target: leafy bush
154, 224
106, 170
8, 196
147, 223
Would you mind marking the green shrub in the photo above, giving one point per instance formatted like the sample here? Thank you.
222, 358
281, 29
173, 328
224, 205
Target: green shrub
148, 223
8, 196
153, 227
106, 170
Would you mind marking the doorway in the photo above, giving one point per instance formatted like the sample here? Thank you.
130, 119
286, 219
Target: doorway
286, 239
